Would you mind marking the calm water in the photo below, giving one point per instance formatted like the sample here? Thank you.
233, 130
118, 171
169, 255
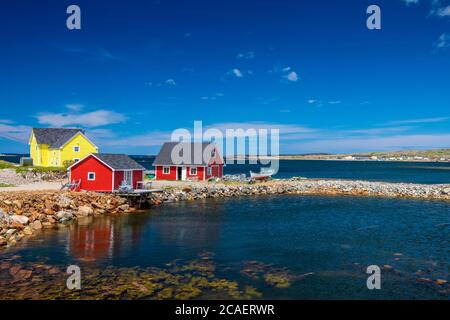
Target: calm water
333, 237
411, 172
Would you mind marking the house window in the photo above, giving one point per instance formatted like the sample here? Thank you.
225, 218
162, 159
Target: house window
193, 171
76, 159
91, 176
166, 170
76, 149
209, 171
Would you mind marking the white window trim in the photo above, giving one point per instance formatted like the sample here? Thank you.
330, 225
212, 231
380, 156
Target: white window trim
79, 149
190, 171
88, 176
164, 170
209, 171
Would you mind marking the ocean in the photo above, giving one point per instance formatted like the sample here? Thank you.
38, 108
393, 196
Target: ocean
285, 247
409, 172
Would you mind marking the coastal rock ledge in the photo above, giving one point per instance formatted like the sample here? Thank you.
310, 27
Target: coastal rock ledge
302, 186
25, 213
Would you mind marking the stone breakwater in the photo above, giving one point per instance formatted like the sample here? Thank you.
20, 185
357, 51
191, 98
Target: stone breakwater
25, 213
305, 187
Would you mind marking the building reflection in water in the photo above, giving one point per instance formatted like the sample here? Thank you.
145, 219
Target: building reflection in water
182, 228
91, 239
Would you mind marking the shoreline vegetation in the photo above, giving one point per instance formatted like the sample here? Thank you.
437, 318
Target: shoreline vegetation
23, 214
434, 155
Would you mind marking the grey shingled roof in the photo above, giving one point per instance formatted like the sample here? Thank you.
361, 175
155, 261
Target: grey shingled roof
164, 157
54, 137
119, 161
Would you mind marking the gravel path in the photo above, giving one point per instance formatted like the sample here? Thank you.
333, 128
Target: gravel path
38, 186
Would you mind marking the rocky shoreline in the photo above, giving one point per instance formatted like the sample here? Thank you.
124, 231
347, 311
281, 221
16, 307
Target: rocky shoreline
301, 186
23, 214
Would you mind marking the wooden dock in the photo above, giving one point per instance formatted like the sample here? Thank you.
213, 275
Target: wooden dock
139, 196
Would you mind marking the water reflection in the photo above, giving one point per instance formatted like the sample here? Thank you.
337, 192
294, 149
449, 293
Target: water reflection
147, 234
200, 227
92, 241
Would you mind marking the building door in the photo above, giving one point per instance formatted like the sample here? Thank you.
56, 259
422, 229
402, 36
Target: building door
179, 173
128, 177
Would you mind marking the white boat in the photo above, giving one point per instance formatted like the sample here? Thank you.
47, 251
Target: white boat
264, 174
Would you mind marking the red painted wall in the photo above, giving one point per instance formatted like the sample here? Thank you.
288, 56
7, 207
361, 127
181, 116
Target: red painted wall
137, 176
118, 177
103, 175
199, 174
217, 171
161, 176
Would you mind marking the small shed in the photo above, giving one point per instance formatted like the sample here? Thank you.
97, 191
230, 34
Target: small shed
105, 172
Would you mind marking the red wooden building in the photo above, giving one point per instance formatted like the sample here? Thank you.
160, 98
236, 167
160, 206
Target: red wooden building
188, 161
105, 172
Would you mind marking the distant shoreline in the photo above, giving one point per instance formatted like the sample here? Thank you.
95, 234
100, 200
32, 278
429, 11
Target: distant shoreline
332, 159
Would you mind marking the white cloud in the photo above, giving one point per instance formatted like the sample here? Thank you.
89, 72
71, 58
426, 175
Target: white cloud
212, 97
74, 107
410, 2
246, 55
443, 41
19, 133
148, 139
238, 73
443, 12
293, 137
321, 103
285, 129
90, 119
379, 131
366, 144
422, 120
292, 76
95, 53
171, 82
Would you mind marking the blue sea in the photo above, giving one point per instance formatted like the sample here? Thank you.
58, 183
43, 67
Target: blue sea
324, 244
410, 172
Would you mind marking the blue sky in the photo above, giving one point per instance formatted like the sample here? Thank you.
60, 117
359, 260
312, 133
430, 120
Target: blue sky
139, 69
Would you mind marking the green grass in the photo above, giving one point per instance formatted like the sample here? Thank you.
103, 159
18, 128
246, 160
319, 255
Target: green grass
5, 185
40, 169
6, 165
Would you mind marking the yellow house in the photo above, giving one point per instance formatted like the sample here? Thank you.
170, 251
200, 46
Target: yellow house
56, 147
